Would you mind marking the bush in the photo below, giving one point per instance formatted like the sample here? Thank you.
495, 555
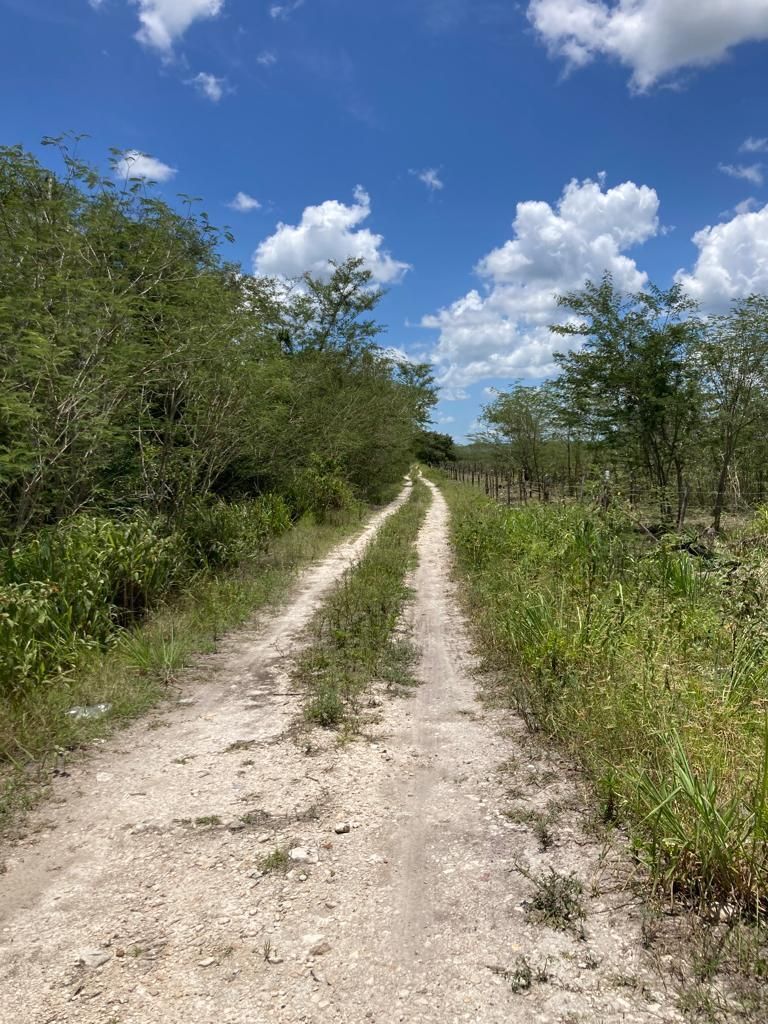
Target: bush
71, 587
36, 639
324, 495
220, 535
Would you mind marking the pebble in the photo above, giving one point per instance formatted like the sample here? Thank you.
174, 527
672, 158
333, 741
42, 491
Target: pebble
208, 962
94, 957
342, 828
320, 949
302, 855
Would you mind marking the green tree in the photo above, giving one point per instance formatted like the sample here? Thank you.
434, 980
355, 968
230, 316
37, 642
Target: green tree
435, 448
734, 363
635, 381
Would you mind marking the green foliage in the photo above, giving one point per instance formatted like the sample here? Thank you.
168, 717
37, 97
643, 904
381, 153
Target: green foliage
656, 403
434, 448
220, 535
163, 414
322, 494
648, 664
137, 369
71, 586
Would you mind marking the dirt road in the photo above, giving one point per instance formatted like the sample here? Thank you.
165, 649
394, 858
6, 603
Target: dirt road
139, 894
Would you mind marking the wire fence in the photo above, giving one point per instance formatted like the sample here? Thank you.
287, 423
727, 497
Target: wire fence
514, 487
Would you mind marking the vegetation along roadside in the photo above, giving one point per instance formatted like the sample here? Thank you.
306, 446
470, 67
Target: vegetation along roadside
646, 663
166, 421
43, 726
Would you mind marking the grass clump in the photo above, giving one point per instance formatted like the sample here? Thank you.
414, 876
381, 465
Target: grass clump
277, 860
522, 975
556, 900
352, 638
649, 665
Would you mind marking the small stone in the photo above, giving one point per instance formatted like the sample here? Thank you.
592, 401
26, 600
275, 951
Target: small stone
303, 877
94, 957
320, 949
208, 962
342, 828
301, 855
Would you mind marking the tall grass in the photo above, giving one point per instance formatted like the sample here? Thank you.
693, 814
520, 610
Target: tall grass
352, 638
649, 665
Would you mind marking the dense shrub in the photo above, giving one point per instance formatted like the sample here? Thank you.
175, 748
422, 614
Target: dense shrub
219, 535
322, 494
72, 586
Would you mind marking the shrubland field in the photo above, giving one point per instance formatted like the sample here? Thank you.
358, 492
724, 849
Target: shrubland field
648, 664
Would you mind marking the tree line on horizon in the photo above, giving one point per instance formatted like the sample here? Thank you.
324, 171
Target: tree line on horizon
659, 403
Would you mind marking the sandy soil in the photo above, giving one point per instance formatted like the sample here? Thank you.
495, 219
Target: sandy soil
138, 893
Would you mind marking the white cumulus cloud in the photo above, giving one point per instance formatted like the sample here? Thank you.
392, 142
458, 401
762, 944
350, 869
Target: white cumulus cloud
165, 21
135, 164
654, 38
330, 231
746, 172
732, 260
208, 85
244, 203
502, 329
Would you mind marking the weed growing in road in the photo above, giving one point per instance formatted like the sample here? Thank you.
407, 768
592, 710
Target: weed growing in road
208, 820
556, 900
352, 640
522, 975
276, 860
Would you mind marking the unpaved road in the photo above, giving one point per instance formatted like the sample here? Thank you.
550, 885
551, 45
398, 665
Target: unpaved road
143, 860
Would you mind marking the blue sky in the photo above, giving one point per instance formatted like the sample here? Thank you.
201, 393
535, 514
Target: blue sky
481, 155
